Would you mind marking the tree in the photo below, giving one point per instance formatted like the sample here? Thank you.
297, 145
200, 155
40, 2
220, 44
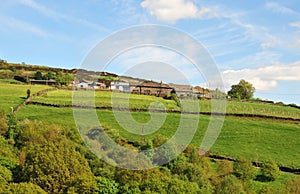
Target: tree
243, 90
38, 75
28, 93
231, 185
244, 170
58, 168
225, 168
270, 170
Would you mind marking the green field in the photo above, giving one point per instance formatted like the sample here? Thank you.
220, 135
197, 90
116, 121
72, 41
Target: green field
13, 94
255, 139
104, 99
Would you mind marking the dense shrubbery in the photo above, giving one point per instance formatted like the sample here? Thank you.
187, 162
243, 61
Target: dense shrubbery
37, 158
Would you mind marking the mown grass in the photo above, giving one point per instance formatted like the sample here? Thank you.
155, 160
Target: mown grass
104, 99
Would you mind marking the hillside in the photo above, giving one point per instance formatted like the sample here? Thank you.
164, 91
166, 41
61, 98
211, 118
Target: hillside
254, 132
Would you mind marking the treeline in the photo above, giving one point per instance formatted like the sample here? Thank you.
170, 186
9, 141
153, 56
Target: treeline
26, 67
39, 158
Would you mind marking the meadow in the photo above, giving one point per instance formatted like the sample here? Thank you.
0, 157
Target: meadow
13, 94
104, 99
255, 139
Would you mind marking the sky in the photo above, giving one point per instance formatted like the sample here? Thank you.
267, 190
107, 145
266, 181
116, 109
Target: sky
257, 40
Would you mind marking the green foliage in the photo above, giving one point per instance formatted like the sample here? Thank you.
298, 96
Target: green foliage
231, 185
243, 90
38, 76
293, 186
21, 188
270, 171
5, 175
70, 169
106, 186
244, 169
225, 168
63, 79
28, 93
3, 125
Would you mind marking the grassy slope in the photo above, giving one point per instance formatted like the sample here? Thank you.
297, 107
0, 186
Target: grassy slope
14, 94
253, 139
103, 98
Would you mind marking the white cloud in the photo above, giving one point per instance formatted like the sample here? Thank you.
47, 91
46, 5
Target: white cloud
24, 26
273, 6
173, 10
264, 78
295, 24
269, 44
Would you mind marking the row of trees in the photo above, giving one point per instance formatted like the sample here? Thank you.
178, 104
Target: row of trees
39, 158
60, 77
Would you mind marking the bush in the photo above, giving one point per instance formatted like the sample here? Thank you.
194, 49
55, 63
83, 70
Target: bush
270, 170
231, 185
105, 185
244, 170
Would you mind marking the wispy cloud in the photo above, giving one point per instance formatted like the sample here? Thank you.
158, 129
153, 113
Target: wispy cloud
59, 16
265, 78
16, 24
173, 10
295, 24
276, 7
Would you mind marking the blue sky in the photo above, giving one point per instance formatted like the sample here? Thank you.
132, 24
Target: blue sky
255, 40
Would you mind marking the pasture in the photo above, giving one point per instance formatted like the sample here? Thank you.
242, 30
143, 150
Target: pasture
255, 139
104, 99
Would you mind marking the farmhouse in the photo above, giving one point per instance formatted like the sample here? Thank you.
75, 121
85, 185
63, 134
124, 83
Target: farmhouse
182, 90
201, 92
120, 86
90, 85
152, 88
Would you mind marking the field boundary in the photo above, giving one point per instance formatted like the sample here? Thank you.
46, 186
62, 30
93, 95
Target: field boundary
27, 100
167, 111
256, 164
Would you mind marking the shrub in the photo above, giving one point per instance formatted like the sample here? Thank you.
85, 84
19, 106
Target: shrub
244, 169
270, 170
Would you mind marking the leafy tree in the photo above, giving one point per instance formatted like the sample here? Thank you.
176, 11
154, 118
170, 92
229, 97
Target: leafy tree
57, 167
270, 170
231, 185
244, 169
49, 75
243, 90
38, 75
28, 93
225, 168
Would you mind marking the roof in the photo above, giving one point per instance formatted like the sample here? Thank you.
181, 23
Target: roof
152, 84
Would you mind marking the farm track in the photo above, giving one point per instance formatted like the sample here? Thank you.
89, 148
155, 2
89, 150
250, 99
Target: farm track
241, 115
